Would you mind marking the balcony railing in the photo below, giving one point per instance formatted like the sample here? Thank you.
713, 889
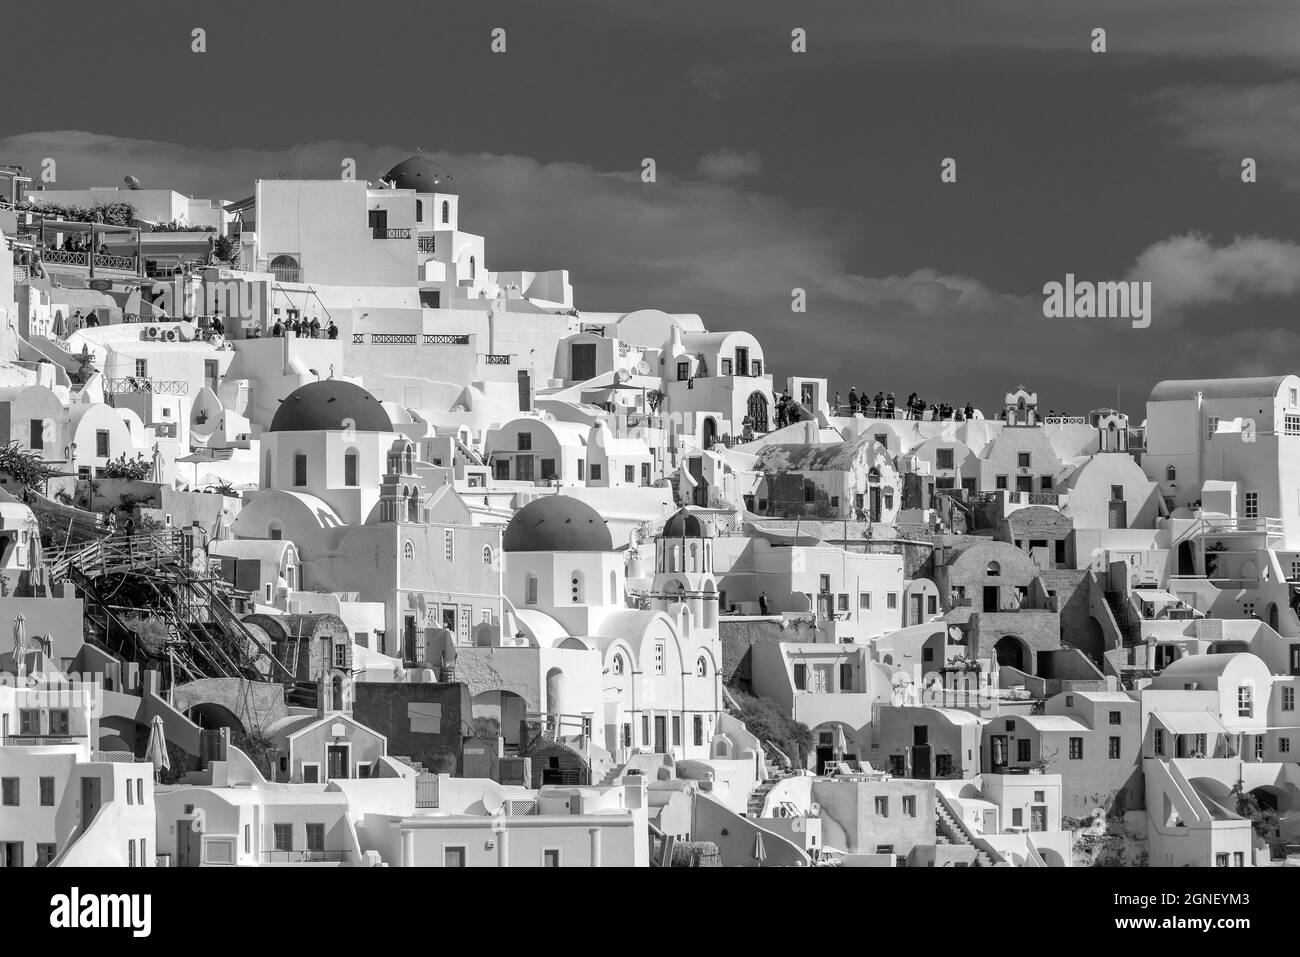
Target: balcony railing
135, 384
41, 740
305, 857
286, 273
445, 339
496, 359
426, 244
416, 338
392, 233
392, 338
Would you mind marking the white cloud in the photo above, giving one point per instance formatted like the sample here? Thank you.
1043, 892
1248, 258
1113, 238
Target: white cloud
725, 164
1190, 271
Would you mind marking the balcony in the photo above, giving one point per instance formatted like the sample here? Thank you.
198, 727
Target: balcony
138, 384
379, 233
495, 359
41, 740
305, 857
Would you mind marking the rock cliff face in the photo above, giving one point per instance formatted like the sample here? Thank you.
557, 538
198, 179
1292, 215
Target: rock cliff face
1117, 841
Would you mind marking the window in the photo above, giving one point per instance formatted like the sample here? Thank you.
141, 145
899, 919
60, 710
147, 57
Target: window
726, 367
801, 676
932, 604
677, 730
341, 655
882, 807
45, 854
1000, 482
9, 792
824, 584
1022, 460
350, 469
487, 554
1040, 797
683, 371
846, 677
1211, 426
1158, 741
1114, 748
315, 837
629, 474
1171, 473
524, 441
1115, 717
698, 722
139, 790
943, 458
1045, 483
501, 469
616, 666
1252, 505
701, 667
659, 657
29, 721
299, 469
645, 729
47, 792
1023, 750
446, 211
130, 795
530, 590
37, 435
1017, 817
1245, 701
582, 465
449, 544
1221, 859
1288, 699
1291, 424
841, 602
1076, 749
595, 471
909, 805
627, 734
283, 837
59, 722
408, 550
1284, 745
453, 856
891, 600
130, 854
864, 600
548, 469
101, 444
550, 857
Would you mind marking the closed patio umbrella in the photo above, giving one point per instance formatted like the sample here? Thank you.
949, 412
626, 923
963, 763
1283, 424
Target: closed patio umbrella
760, 852
156, 751
20, 643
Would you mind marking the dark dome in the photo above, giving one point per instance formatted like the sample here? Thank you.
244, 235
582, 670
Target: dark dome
326, 405
686, 524
420, 174
557, 523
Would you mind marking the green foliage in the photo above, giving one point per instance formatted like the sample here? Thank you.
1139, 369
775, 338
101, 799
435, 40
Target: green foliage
224, 249
179, 226
767, 722
654, 398
1264, 821
26, 467
138, 468
112, 214
696, 854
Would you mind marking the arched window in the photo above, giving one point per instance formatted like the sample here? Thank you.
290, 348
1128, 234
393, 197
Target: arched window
408, 459
284, 268
473, 268
446, 211
487, 554
1171, 473
530, 590
350, 460
695, 557
616, 666
419, 211
408, 550
575, 587
413, 506
701, 667
993, 568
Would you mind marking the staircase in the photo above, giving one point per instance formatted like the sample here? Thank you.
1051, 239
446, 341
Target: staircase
410, 763
949, 830
758, 796
1122, 609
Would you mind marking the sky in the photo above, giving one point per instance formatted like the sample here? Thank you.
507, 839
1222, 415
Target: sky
775, 170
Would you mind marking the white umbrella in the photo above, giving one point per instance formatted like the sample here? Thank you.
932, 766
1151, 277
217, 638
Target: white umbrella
760, 852
156, 750
20, 643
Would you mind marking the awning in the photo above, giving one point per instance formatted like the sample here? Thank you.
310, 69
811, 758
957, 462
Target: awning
1190, 722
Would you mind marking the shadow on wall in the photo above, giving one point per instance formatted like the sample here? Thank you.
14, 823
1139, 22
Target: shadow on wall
740, 841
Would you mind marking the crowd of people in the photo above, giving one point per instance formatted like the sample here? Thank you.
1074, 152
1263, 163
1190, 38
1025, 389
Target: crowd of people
304, 329
884, 405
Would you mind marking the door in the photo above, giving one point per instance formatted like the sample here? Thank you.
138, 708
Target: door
920, 734
700, 493
918, 609
758, 412
1295, 659
449, 619
188, 842
379, 223
742, 360
875, 505
1118, 515
336, 757
90, 801
1024, 483
806, 395
1038, 818
998, 752
661, 734
583, 360
825, 756
990, 597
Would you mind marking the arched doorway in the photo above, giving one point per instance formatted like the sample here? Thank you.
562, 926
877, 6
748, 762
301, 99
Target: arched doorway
1272, 615
1186, 559
710, 432
210, 715
554, 694
1010, 652
758, 411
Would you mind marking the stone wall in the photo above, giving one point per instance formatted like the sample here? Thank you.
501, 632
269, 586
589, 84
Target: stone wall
432, 733
738, 637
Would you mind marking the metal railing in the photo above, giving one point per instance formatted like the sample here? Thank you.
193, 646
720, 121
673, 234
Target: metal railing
41, 740
496, 359
392, 233
426, 244
445, 339
305, 857
392, 339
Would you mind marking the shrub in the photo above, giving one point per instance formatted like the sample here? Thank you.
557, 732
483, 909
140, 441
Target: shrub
767, 722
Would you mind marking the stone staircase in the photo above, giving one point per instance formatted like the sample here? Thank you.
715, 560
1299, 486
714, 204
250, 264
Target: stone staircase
948, 830
418, 767
758, 796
